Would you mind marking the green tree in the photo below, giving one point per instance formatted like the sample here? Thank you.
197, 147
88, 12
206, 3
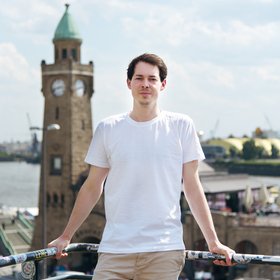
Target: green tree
260, 152
249, 150
233, 152
274, 151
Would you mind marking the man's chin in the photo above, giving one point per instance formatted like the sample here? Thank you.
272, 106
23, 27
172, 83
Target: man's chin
144, 103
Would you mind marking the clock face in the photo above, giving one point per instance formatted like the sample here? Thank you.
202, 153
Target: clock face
80, 88
58, 87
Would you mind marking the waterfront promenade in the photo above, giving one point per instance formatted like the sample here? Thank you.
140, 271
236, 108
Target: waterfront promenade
15, 238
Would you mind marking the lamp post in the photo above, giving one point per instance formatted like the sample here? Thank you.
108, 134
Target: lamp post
50, 127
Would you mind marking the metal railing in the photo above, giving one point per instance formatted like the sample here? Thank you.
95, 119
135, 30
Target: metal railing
30, 260
7, 244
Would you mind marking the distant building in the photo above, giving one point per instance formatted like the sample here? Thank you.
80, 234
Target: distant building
19, 148
265, 133
214, 151
3, 148
237, 144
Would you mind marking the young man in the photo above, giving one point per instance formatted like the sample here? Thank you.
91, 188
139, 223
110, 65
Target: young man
144, 154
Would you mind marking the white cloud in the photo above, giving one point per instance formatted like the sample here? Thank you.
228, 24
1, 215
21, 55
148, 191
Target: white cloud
35, 12
268, 72
266, 1
121, 5
240, 33
172, 30
175, 30
13, 65
210, 73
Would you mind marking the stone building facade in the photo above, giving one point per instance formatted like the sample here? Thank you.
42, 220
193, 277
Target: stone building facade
245, 233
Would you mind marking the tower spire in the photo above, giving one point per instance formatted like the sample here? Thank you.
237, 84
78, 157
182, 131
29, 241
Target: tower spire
67, 28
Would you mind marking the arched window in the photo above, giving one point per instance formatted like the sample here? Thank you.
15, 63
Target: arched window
55, 200
64, 53
56, 113
74, 54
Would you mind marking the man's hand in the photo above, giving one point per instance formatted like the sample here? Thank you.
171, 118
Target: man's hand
222, 250
60, 243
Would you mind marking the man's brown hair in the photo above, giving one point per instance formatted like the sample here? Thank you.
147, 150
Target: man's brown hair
151, 59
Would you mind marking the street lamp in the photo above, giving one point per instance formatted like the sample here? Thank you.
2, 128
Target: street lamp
50, 127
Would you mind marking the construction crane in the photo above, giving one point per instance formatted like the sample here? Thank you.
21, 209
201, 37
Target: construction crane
35, 149
214, 130
268, 122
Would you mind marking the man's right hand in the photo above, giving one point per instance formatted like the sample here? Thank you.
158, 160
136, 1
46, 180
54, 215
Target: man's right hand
60, 243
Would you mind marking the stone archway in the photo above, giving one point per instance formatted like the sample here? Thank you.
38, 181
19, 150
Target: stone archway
246, 247
242, 270
207, 268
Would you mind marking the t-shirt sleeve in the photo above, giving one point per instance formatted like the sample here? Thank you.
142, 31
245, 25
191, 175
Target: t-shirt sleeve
190, 143
96, 154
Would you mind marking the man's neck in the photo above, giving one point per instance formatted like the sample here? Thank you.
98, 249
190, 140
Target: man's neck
144, 114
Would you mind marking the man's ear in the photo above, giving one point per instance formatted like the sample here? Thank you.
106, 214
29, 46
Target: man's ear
128, 82
163, 84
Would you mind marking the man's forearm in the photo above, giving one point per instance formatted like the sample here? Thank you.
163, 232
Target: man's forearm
201, 212
86, 200
198, 204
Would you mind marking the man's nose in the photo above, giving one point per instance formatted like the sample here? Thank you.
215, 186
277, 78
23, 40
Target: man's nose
145, 83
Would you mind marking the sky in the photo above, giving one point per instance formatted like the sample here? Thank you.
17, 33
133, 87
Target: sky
222, 57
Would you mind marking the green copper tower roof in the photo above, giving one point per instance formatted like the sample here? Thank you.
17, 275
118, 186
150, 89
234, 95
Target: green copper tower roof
67, 28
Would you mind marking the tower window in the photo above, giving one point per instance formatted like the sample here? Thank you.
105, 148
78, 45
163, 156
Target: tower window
83, 125
48, 200
55, 200
56, 113
74, 54
56, 165
64, 53
56, 54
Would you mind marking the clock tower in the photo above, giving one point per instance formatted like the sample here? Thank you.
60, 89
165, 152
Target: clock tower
67, 86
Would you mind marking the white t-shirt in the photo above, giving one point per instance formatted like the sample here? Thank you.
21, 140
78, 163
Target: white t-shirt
144, 183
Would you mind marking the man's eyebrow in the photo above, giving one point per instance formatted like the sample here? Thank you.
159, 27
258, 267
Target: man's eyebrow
150, 76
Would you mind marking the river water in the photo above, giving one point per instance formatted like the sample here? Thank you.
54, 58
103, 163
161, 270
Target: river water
19, 184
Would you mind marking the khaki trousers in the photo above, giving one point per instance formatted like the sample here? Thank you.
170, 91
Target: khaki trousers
165, 265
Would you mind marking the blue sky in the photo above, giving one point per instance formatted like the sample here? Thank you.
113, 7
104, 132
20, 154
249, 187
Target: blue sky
222, 55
